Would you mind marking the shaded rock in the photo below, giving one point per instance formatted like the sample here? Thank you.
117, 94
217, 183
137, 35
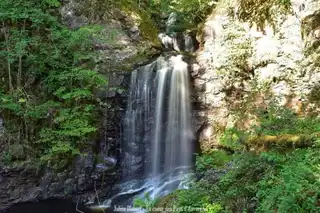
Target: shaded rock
17, 152
16, 187
213, 175
2, 129
172, 21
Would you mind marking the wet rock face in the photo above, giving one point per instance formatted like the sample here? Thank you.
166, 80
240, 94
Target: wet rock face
20, 184
88, 173
179, 42
118, 49
174, 37
235, 59
2, 130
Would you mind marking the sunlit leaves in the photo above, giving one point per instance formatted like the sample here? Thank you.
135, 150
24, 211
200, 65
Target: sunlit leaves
42, 110
296, 188
52, 109
262, 12
191, 11
52, 3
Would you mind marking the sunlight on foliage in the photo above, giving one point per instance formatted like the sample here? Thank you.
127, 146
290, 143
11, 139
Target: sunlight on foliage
145, 203
48, 101
267, 181
262, 12
190, 11
214, 159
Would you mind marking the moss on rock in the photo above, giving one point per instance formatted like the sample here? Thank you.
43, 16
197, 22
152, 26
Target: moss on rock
165, 202
142, 18
282, 142
127, 12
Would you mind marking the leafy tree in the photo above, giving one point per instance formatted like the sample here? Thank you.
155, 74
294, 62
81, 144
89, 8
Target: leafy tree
48, 85
190, 12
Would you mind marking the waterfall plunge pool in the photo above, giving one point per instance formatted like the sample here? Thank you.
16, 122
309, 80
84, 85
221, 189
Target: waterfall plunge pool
154, 187
50, 206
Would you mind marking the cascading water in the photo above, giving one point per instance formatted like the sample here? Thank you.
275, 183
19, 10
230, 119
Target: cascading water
157, 131
157, 136
171, 145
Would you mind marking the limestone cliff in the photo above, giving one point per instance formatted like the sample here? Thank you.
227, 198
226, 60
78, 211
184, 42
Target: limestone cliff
244, 65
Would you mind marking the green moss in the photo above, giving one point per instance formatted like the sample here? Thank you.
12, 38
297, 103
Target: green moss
104, 10
142, 56
282, 142
17, 152
314, 95
148, 28
166, 201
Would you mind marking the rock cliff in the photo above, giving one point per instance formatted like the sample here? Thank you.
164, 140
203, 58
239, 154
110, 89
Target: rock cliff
244, 65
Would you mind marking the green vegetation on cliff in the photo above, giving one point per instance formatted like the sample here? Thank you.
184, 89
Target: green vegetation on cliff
47, 79
47, 85
281, 178
262, 12
189, 12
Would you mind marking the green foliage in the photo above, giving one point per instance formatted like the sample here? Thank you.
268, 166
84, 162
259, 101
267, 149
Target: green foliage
238, 187
213, 208
265, 182
276, 121
191, 198
214, 159
279, 120
280, 183
145, 203
190, 12
6, 158
195, 199
261, 12
233, 138
295, 187
47, 100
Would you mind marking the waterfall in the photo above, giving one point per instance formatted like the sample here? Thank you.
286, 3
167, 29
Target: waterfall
157, 127
137, 122
157, 136
157, 132
179, 132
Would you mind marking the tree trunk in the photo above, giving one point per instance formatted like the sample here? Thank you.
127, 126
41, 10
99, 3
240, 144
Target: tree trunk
6, 36
19, 72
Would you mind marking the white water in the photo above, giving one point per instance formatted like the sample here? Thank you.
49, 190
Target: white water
178, 43
178, 140
157, 132
157, 135
156, 145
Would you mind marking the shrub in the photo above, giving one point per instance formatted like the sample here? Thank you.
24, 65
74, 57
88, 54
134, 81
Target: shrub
269, 181
214, 159
280, 120
48, 100
295, 187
